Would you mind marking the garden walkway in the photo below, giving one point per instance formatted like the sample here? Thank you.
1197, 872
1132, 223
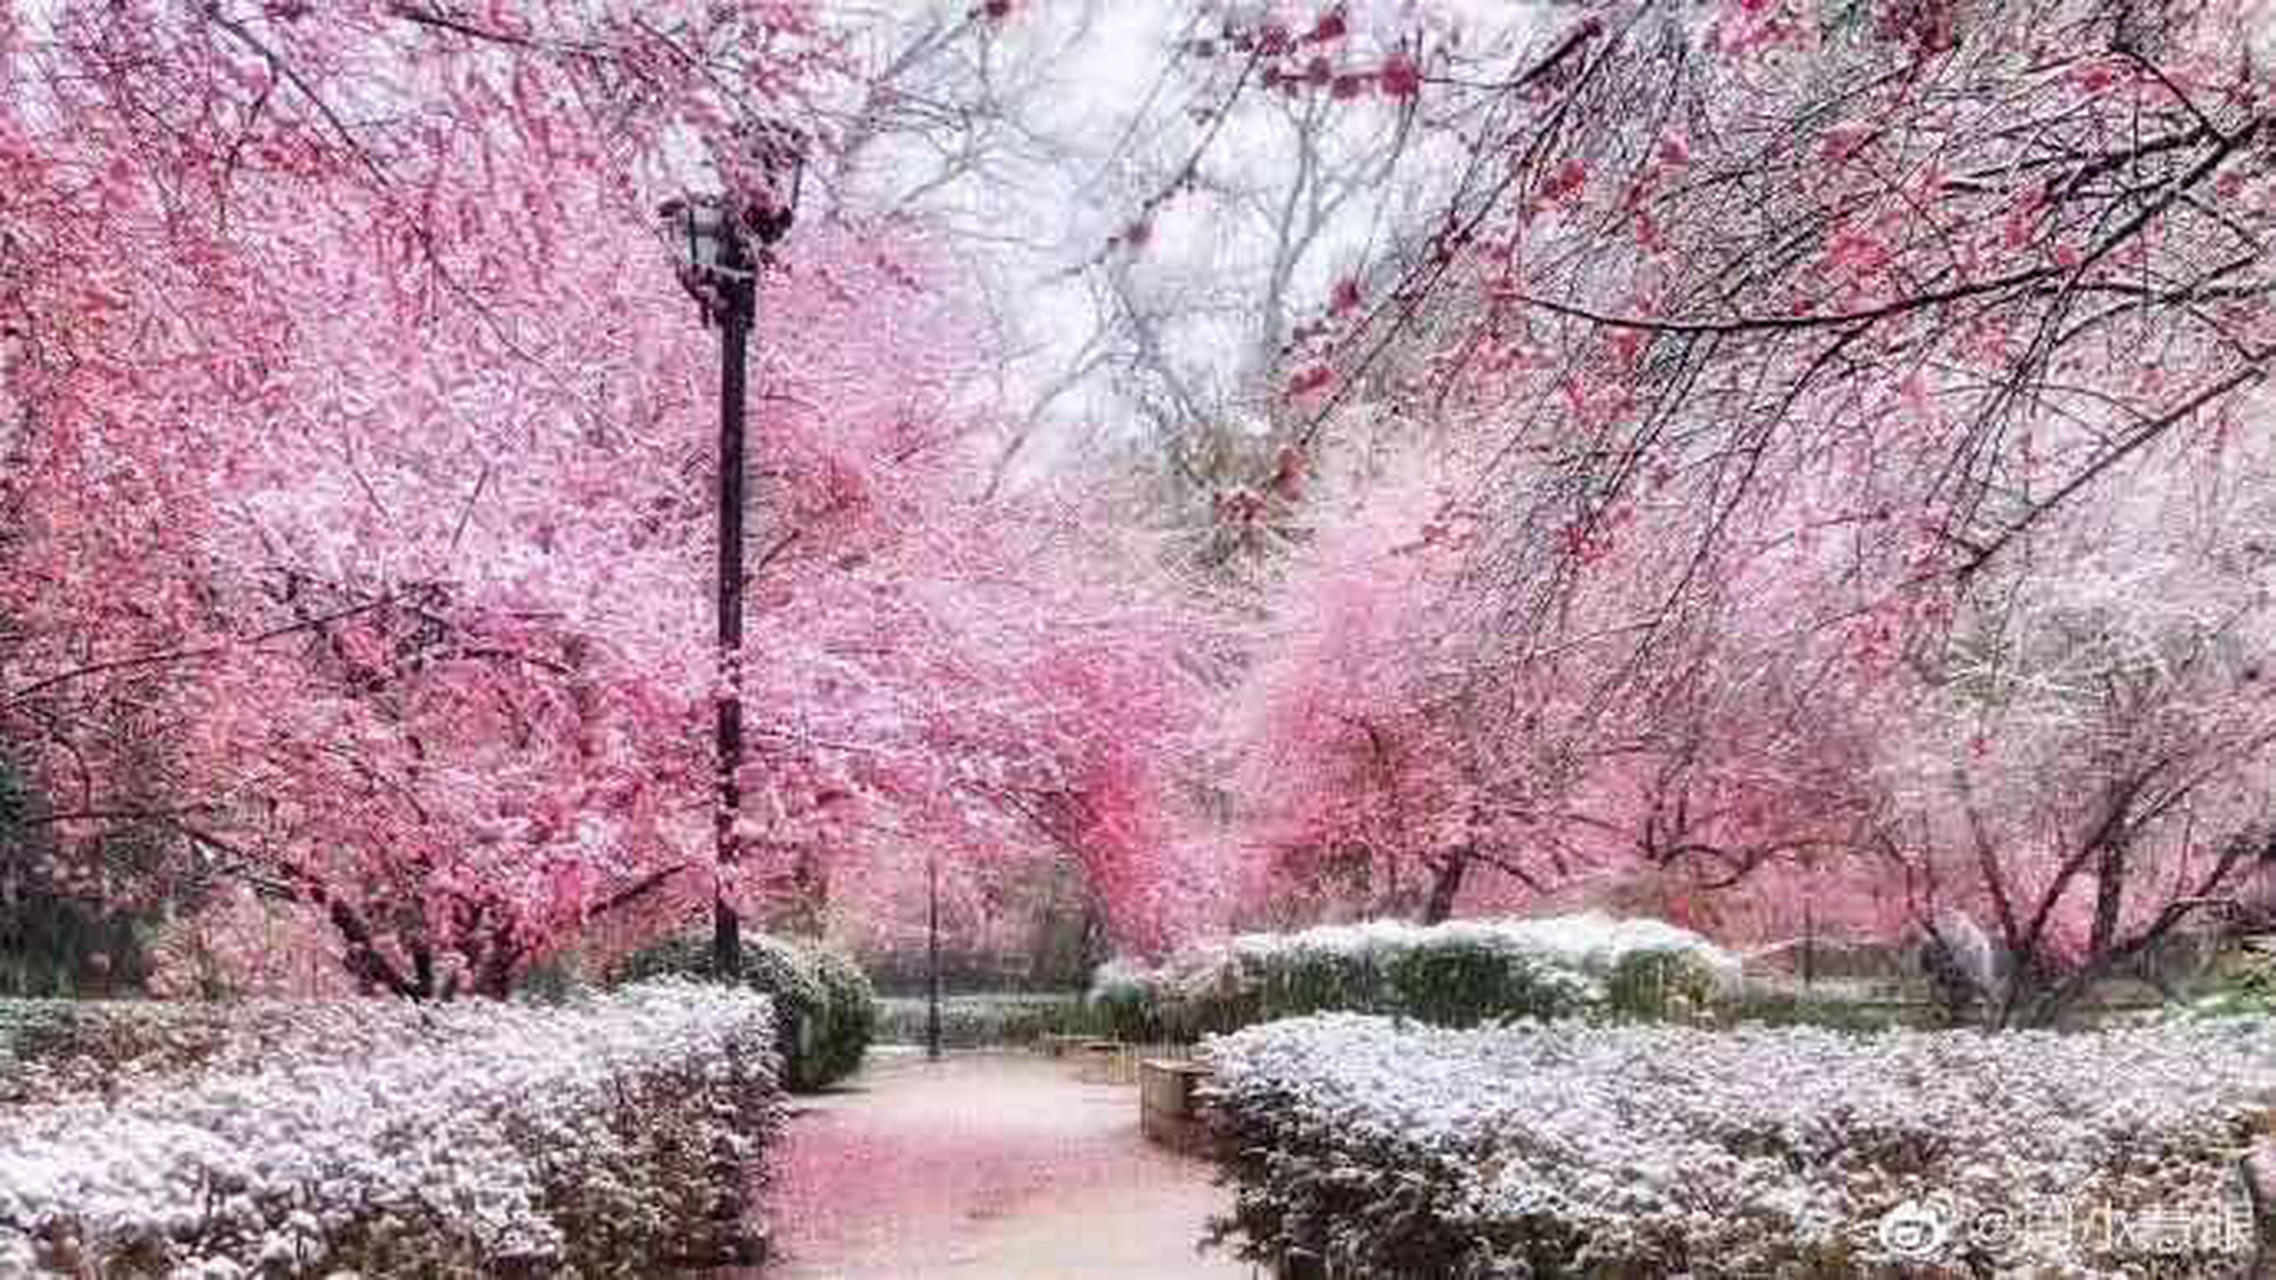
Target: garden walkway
998, 1166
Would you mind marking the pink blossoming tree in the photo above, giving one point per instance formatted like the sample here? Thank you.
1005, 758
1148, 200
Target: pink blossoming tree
356, 529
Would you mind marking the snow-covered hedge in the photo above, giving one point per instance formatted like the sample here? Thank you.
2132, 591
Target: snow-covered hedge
1577, 1149
52, 1049
1456, 974
825, 1008
57, 1050
604, 1137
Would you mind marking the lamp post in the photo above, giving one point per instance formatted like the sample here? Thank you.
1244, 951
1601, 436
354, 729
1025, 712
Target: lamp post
932, 955
721, 243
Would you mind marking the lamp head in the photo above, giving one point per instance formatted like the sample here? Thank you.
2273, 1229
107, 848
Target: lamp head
718, 242
706, 243
771, 206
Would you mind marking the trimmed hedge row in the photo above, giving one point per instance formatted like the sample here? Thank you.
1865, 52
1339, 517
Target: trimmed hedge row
989, 1021
51, 1050
1458, 974
601, 1138
826, 1010
60, 1050
1363, 1146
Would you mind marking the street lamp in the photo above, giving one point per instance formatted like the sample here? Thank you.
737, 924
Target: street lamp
932, 955
720, 243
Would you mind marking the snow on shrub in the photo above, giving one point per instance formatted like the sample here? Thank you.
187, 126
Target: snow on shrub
57, 1050
599, 1138
825, 1007
1386, 1148
1459, 973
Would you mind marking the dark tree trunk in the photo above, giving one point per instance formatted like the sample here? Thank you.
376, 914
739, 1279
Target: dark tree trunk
365, 961
1445, 887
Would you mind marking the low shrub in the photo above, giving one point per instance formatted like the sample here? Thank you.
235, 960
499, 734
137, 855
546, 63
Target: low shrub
603, 1137
2244, 986
1663, 985
826, 1011
849, 1022
1459, 974
1376, 1147
54, 1049
989, 1021
58, 1050
1129, 1001
1832, 1006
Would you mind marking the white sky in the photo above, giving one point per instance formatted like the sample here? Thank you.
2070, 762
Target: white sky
1084, 112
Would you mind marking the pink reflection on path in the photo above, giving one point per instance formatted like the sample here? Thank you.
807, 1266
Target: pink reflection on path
1007, 1167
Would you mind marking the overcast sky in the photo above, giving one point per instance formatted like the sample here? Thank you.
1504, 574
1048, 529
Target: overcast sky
1038, 137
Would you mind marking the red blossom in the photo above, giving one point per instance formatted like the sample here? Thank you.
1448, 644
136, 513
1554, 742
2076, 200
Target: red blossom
1311, 379
1399, 77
